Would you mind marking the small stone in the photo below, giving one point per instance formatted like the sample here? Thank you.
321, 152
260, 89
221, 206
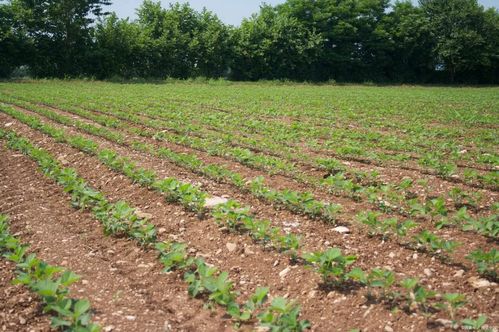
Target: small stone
444, 322
391, 255
167, 327
143, 215
22, 320
459, 274
330, 295
291, 224
161, 230
218, 252
341, 229
415, 256
130, 318
231, 247
367, 312
109, 328
8, 124
479, 283
248, 251
427, 272
343, 298
388, 328
312, 294
276, 263
284, 272
214, 201
63, 161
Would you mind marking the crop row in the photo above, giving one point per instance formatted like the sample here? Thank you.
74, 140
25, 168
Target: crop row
388, 198
343, 139
231, 214
236, 218
382, 286
191, 197
119, 219
346, 181
438, 163
302, 203
220, 144
51, 284
331, 131
337, 183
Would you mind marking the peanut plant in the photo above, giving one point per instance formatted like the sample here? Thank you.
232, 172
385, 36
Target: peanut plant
50, 283
206, 281
385, 228
120, 219
433, 244
332, 265
486, 262
282, 315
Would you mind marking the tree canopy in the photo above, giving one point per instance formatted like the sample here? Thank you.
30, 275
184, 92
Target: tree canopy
344, 40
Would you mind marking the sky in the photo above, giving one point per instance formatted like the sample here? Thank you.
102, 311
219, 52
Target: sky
229, 11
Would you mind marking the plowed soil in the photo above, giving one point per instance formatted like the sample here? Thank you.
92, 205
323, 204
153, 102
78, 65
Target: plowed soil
125, 283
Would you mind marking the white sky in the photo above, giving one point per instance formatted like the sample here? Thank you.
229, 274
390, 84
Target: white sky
229, 11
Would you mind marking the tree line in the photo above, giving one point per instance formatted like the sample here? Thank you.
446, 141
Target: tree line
435, 41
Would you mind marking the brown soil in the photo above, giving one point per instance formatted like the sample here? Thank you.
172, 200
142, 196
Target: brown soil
387, 169
123, 283
263, 210
313, 152
19, 309
390, 171
251, 265
437, 186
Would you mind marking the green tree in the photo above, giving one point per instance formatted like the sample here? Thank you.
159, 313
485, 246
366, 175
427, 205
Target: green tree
271, 45
14, 44
60, 31
184, 43
346, 40
353, 47
490, 71
214, 50
120, 49
410, 44
458, 28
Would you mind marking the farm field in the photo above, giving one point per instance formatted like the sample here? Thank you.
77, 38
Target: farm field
217, 206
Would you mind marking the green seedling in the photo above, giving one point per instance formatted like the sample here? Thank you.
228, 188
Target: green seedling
282, 316
434, 244
416, 295
474, 324
331, 264
486, 262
